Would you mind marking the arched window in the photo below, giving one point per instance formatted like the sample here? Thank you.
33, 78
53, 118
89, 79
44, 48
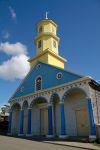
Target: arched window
54, 43
39, 44
53, 29
38, 83
41, 29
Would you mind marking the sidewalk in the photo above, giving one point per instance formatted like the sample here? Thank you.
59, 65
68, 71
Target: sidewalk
88, 146
56, 141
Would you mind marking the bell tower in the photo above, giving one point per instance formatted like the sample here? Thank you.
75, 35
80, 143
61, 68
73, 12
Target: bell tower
47, 43
46, 38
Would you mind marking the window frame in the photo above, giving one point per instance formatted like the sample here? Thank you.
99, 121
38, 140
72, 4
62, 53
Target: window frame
36, 83
58, 74
53, 29
40, 29
54, 44
39, 45
38, 66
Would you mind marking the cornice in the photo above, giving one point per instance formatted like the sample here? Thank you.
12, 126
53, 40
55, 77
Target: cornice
46, 34
46, 20
50, 52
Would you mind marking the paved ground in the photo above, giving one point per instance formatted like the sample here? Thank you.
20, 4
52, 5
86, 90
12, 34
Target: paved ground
11, 143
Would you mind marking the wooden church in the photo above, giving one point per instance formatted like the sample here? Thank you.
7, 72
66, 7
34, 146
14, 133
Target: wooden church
52, 101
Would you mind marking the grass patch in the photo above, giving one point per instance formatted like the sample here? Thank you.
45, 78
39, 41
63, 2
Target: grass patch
96, 144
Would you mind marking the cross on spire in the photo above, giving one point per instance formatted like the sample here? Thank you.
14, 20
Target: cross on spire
46, 15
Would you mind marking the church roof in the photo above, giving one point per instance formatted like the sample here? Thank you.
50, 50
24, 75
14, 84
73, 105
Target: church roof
49, 78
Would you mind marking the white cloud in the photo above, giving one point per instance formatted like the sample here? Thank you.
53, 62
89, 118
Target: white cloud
15, 68
13, 49
5, 35
13, 13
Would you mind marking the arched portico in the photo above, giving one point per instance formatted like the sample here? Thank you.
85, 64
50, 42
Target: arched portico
39, 117
76, 112
15, 118
74, 89
63, 116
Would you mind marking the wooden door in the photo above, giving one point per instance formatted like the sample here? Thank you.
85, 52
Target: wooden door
44, 121
82, 120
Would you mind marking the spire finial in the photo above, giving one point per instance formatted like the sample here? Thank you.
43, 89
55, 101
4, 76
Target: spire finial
46, 15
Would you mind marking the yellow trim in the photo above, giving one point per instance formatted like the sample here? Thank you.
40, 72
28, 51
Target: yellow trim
46, 20
50, 52
46, 34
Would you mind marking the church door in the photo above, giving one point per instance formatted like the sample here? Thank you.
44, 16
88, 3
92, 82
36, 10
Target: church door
44, 121
82, 120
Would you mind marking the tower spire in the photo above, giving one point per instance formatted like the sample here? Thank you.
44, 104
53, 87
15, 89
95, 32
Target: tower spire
46, 15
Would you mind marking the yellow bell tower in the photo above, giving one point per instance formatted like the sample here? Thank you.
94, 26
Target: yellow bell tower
47, 43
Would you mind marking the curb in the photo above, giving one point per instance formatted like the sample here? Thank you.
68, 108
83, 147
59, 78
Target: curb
87, 148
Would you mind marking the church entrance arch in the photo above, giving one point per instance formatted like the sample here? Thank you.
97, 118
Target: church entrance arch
15, 118
39, 123
76, 113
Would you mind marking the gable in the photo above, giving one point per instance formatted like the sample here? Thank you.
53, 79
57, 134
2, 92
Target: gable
49, 78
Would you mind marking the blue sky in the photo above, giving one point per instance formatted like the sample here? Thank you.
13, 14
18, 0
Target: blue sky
78, 28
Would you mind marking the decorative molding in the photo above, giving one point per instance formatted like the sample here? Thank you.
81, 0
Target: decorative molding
61, 89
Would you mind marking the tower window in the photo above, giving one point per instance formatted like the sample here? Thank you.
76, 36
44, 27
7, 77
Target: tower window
54, 43
41, 29
39, 44
38, 83
53, 29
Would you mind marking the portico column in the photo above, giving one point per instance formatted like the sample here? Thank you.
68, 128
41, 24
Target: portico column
91, 118
50, 122
21, 122
9, 123
29, 122
62, 121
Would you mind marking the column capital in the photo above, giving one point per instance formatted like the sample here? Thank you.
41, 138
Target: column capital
50, 104
29, 108
61, 102
88, 98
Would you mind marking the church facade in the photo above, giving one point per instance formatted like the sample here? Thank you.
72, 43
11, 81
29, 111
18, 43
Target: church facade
52, 101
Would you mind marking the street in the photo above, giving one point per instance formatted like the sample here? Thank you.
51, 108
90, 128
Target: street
12, 143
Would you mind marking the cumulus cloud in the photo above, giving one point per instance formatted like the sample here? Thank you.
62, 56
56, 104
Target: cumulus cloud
13, 49
13, 13
15, 68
